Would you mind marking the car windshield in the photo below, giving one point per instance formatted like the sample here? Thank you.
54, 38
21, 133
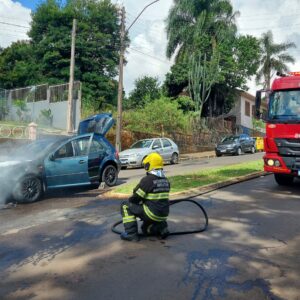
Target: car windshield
284, 106
141, 144
230, 139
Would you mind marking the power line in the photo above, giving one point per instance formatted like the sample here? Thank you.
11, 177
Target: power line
16, 19
151, 56
16, 25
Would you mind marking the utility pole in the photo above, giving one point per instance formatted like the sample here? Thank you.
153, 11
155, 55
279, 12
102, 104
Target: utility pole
70, 117
120, 87
123, 33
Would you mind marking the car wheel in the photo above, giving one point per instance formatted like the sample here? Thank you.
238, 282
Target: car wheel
174, 159
28, 189
110, 175
218, 154
282, 179
252, 149
123, 167
238, 151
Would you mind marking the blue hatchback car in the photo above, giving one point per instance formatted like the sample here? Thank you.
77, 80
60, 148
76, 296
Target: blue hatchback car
79, 160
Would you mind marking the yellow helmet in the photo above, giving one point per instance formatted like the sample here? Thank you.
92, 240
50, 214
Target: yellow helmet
153, 161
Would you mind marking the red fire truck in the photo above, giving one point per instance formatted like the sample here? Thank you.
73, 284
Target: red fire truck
282, 140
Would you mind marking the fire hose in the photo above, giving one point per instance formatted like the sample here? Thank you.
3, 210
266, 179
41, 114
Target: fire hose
173, 202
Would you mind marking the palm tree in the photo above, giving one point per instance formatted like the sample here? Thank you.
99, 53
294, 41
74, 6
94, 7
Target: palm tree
194, 24
273, 59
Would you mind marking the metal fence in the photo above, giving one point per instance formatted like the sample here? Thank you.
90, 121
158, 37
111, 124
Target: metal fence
3, 103
13, 131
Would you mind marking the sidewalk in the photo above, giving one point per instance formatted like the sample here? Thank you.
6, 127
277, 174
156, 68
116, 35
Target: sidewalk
197, 155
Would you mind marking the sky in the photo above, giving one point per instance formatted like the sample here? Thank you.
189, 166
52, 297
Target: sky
146, 54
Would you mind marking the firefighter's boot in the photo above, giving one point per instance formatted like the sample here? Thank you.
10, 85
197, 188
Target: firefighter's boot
163, 230
130, 237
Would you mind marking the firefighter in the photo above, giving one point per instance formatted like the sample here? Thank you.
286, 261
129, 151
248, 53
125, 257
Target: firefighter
149, 202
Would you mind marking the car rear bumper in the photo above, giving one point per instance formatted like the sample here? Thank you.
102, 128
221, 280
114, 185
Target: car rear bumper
226, 151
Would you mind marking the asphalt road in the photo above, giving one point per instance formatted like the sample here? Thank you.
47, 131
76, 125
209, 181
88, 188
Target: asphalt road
62, 248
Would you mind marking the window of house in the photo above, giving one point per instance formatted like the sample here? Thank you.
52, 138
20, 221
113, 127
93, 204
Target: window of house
253, 111
247, 108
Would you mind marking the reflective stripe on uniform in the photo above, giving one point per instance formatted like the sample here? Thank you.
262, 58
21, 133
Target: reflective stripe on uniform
152, 216
141, 193
125, 207
129, 219
157, 196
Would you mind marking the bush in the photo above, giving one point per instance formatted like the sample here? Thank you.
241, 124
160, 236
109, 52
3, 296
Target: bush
160, 115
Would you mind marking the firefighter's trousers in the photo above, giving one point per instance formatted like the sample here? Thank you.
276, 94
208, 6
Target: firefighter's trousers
131, 211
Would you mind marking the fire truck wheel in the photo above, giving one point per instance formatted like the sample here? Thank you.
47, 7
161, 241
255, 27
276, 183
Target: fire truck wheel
282, 179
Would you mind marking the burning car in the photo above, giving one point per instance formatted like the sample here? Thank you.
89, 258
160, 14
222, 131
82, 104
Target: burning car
58, 162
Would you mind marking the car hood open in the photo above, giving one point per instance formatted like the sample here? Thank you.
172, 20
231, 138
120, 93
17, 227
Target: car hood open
100, 124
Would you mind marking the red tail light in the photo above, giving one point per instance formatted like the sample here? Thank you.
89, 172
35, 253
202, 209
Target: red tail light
117, 155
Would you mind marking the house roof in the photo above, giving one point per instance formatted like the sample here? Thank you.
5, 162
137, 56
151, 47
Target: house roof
247, 95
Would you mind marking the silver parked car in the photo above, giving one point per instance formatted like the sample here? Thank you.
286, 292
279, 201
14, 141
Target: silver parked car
135, 155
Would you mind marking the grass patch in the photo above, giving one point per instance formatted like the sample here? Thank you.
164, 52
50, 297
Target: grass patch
204, 177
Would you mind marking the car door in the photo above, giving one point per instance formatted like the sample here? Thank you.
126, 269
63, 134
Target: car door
248, 143
243, 143
97, 153
68, 166
157, 147
167, 149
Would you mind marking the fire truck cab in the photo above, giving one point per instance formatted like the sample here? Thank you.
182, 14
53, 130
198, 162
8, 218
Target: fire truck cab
282, 140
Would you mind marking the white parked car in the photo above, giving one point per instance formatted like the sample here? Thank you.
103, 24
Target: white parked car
135, 155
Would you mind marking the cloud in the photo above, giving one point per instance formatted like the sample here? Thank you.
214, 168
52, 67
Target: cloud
281, 17
146, 55
13, 13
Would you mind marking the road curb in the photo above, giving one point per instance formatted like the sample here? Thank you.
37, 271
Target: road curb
208, 156
194, 191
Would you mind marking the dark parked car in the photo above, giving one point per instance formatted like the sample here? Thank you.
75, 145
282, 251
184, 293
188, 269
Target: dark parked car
79, 160
235, 145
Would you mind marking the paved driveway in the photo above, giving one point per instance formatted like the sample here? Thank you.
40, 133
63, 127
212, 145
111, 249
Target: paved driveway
250, 251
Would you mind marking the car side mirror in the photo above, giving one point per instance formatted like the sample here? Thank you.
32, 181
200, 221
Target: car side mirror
257, 105
52, 157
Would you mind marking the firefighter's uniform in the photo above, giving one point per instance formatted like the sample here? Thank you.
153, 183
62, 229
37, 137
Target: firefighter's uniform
150, 202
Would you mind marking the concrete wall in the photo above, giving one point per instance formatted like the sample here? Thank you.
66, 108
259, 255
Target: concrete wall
246, 121
58, 110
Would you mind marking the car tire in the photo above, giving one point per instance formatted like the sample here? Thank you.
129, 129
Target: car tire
109, 175
123, 167
253, 150
282, 179
29, 189
174, 158
238, 151
218, 154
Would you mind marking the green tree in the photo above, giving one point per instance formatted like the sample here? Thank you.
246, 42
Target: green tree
274, 58
18, 66
97, 46
208, 26
146, 90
